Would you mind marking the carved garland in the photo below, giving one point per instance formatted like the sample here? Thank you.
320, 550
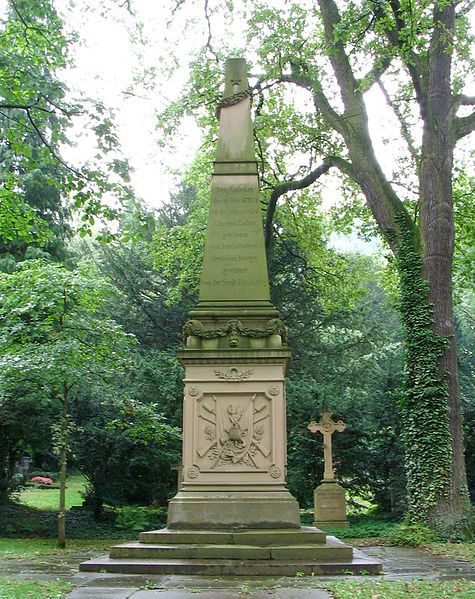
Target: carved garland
231, 100
234, 328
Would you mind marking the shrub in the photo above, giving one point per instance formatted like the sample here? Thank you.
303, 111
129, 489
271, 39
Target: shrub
135, 518
411, 535
43, 480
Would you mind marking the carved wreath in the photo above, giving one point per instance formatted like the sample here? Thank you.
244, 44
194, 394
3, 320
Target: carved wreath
234, 328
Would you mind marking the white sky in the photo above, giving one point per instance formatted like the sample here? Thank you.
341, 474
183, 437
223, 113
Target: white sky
106, 61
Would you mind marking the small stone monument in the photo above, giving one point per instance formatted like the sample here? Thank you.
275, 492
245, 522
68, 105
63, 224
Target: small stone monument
329, 497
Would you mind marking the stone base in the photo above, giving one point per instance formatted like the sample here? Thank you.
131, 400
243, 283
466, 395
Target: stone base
238, 553
233, 510
332, 524
330, 505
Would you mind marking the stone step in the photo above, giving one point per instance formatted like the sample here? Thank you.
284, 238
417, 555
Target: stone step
359, 564
262, 538
328, 551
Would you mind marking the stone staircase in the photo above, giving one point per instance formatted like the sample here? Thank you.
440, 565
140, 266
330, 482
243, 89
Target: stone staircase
238, 553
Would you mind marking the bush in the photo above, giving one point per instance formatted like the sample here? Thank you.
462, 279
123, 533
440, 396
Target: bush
366, 527
20, 521
411, 535
135, 518
54, 476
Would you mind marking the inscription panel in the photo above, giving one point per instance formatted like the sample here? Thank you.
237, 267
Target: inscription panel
234, 263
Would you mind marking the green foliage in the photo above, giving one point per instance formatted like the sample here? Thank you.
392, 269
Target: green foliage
401, 589
124, 447
464, 219
54, 337
342, 359
368, 527
18, 588
36, 112
424, 402
179, 238
411, 535
135, 518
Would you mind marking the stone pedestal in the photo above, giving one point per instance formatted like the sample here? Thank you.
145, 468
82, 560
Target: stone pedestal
330, 505
234, 449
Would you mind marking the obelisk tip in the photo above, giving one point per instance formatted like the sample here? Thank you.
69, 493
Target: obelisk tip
236, 76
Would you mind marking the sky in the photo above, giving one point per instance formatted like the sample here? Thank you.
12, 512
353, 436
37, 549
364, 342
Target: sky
106, 61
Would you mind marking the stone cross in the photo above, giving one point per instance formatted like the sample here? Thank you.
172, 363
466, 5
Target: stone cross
327, 427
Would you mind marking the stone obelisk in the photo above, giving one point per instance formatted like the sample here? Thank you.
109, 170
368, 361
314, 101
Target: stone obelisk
233, 514
234, 428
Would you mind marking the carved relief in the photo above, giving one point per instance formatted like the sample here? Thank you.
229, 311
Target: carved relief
274, 390
275, 471
234, 433
233, 374
233, 329
194, 390
193, 472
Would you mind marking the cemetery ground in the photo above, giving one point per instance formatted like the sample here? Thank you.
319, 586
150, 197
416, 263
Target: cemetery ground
32, 566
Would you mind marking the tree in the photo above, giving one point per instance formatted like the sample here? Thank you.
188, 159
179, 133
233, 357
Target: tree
54, 339
337, 52
35, 116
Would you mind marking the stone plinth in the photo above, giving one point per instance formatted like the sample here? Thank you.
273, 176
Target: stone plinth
330, 505
234, 455
239, 553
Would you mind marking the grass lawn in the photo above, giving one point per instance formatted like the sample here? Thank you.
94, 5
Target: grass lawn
414, 589
24, 588
32, 548
48, 499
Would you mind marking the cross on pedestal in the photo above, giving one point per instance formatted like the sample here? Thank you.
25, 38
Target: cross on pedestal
327, 427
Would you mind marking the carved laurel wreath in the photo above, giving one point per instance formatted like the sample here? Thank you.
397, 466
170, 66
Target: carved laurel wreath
234, 99
234, 329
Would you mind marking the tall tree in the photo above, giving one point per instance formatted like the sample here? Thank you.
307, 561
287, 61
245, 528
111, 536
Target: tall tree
337, 53
36, 112
54, 338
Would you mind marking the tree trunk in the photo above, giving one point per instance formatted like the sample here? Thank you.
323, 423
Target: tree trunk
433, 429
437, 235
62, 471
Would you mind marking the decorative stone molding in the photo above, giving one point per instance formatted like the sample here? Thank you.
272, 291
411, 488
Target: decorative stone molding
233, 374
275, 471
274, 390
234, 329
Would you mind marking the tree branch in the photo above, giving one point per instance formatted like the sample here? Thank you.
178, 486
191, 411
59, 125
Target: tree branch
464, 125
51, 149
374, 74
283, 188
338, 58
313, 85
404, 128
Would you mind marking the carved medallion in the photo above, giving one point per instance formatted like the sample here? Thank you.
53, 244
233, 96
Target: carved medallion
274, 390
233, 374
193, 472
275, 471
193, 391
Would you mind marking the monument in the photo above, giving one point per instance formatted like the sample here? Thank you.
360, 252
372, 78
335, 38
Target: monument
329, 497
233, 513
